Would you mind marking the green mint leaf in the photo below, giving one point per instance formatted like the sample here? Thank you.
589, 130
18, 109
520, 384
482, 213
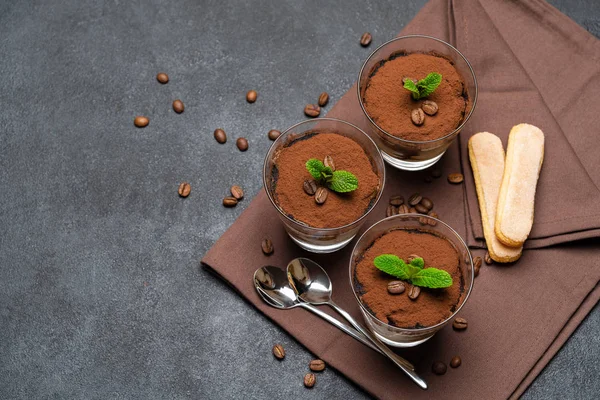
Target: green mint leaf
315, 167
392, 265
418, 262
412, 271
432, 278
428, 85
342, 182
410, 85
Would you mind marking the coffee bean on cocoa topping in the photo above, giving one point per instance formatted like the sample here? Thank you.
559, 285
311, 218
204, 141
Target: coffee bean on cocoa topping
421, 209
310, 380
328, 162
427, 203
455, 362
251, 96
178, 106
403, 209
312, 110
279, 352
230, 201
396, 200
141, 121
396, 287
274, 134
365, 39
321, 195
242, 144
220, 135
436, 173
267, 246
414, 292
459, 324
488, 258
237, 192
310, 187
415, 199
184, 189
323, 99
455, 178
162, 78
412, 257
439, 368
316, 365
417, 116
429, 107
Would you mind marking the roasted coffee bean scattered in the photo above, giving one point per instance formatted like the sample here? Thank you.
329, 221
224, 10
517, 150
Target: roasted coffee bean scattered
279, 352
455, 362
391, 210
412, 210
328, 162
396, 287
365, 39
230, 201
403, 209
427, 203
312, 110
477, 265
162, 78
310, 187
267, 246
406, 78
414, 292
488, 258
429, 107
184, 189
412, 257
321, 195
310, 380
251, 96
274, 134
237, 192
317, 365
415, 199
459, 324
436, 173
417, 116
439, 368
455, 178
323, 99
421, 209
220, 135
178, 106
141, 121
242, 144
396, 200
433, 214
423, 220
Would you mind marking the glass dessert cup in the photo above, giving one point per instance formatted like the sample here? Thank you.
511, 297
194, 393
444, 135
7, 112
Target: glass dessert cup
322, 240
405, 154
409, 337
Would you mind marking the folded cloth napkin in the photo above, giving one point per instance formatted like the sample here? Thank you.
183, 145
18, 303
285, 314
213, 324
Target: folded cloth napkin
519, 315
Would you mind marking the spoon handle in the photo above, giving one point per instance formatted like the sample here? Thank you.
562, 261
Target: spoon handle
403, 364
340, 325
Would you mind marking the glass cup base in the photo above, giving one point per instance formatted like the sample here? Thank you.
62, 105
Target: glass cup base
410, 165
320, 248
401, 344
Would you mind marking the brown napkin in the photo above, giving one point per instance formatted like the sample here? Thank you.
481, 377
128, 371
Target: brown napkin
519, 315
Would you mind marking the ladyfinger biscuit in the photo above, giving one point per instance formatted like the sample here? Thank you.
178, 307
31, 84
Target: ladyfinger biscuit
524, 157
487, 161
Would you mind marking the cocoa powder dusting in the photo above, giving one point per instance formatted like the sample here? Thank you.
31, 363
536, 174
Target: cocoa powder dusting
390, 105
433, 305
340, 208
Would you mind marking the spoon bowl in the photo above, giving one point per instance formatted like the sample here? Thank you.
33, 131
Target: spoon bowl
310, 281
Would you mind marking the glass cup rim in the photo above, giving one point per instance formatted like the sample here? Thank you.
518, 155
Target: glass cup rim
280, 139
427, 328
457, 129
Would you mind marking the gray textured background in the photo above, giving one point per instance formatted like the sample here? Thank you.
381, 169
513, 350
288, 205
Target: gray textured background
101, 292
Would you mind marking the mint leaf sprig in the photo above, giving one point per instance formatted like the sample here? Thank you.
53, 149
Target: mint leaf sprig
424, 87
338, 181
414, 272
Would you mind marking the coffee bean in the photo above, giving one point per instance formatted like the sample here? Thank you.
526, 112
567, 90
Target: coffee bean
162, 78
412, 210
310, 187
396, 200
412, 257
312, 110
365, 39
220, 135
323, 99
309, 380
415, 199
184, 189
251, 96
455, 362
436, 173
317, 365
178, 106
141, 121
421, 209
488, 258
429, 107
391, 210
406, 78
439, 368
237, 192
417, 116
455, 178
267, 246
279, 352
476, 270
321, 195
477, 264
414, 292
396, 287
328, 162
274, 134
230, 201
403, 209
433, 214
459, 324
427, 203
242, 144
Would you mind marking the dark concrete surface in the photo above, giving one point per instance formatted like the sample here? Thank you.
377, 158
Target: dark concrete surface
101, 292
